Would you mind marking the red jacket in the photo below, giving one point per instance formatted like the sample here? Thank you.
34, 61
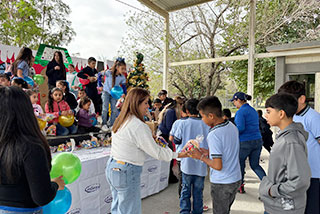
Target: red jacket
57, 109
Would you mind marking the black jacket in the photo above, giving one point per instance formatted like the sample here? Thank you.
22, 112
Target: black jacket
71, 100
91, 88
55, 75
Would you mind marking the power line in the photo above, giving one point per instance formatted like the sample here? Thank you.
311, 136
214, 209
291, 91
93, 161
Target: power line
129, 5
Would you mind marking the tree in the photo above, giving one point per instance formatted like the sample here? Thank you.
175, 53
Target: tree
31, 22
137, 77
211, 30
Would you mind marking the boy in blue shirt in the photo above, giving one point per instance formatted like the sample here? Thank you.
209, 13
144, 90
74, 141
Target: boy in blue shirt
222, 156
193, 171
310, 120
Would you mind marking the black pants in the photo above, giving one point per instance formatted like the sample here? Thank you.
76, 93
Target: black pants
83, 130
313, 197
172, 177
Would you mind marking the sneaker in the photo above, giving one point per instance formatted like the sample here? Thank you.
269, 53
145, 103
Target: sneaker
105, 128
205, 208
241, 189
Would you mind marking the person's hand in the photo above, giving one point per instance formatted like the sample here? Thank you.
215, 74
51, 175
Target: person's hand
57, 67
92, 79
60, 182
100, 88
64, 113
205, 152
195, 154
70, 112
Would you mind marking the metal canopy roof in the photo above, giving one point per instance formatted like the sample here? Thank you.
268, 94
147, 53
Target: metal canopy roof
164, 6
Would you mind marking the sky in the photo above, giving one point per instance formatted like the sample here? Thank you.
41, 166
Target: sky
99, 25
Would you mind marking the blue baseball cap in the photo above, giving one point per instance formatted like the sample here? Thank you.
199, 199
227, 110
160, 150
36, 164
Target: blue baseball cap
239, 95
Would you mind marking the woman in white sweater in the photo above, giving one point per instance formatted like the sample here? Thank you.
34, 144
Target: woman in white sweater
132, 140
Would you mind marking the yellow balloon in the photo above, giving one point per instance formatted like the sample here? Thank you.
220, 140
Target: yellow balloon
66, 121
42, 123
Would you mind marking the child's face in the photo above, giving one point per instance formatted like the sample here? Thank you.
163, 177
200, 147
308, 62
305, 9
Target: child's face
162, 97
81, 94
273, 116
207, 119
71, 69
157, 105
122, 69
63, 88
57, 96
34, 98
86, 106
92, 64
4, 82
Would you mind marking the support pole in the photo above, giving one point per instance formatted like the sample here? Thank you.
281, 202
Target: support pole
250, 85
166, 53
317, 92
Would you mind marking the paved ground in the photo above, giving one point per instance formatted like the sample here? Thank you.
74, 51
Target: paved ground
168, 201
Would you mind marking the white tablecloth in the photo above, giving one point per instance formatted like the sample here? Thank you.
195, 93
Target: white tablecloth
91, 193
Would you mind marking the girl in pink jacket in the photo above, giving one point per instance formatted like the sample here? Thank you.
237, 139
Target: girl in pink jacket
58, 107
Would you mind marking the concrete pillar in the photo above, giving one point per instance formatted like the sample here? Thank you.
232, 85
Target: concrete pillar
166, 53
317, 92
252, 21
280, 73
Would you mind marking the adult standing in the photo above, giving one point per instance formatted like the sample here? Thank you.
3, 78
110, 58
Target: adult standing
131, 141
25, 159
56, 70
247, 122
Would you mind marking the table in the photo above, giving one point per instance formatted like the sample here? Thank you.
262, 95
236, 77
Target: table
91, 193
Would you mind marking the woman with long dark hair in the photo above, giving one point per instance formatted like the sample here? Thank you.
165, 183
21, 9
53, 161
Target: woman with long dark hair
25, 159
56, 70
23, 62
247, 122
132, 141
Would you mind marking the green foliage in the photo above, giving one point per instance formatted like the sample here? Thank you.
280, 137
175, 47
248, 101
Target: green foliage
137, 77
31, 22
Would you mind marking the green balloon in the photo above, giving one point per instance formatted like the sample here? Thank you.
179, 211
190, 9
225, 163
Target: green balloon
39, 79
66, 164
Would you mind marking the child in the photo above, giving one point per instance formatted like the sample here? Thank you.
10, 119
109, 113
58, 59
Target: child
283, 190
34, 99
73, 80
82, 94
156, 109
193, 171
222, 156
84, 117
19, 83
310, 120
227, 115
113, 77
4, 80
67, 96
89, 73
22, 63
59, 107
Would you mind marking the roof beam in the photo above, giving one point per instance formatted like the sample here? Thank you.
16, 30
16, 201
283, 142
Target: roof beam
155, 8
185, 5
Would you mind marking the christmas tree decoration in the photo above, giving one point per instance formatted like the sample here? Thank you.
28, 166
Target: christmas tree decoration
138, 77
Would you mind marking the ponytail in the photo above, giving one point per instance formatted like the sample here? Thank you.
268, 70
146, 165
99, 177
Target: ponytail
248, 97
119, 62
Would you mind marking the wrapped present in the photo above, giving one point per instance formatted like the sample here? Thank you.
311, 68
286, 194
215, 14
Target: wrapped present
161, 142
51, 130
191, 145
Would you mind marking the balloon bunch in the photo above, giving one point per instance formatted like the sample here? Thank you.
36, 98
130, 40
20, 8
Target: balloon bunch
69, 166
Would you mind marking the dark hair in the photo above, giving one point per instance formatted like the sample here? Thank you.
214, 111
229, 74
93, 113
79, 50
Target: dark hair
83, 101
5, 76
226, 112
157, 100
82, 90
119, 62
191, 106
61, 64
295, 88
50, 99
25, 54
91, 59
259, 112
18, 128
21, 82
71, 65
30, 92
162, 92
210, 105
64, 83
283, 101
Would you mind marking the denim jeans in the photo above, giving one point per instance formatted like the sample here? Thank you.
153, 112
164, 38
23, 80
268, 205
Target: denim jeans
15, 210
63, 131
106, 99
251, 149
124, 180
191, 184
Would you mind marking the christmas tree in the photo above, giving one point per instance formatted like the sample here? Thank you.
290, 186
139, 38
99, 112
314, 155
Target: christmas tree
137, 77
